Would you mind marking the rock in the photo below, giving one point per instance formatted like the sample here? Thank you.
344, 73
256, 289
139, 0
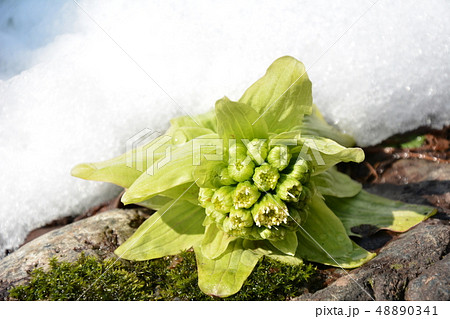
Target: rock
416, 181
399, 262
433, 284
406, 171
434, 193
96, 236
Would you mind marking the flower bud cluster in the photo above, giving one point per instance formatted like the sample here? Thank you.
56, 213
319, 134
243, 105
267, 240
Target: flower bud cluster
265, 192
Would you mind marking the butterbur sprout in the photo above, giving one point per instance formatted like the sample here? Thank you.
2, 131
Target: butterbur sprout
266, 177
215, 215
270, 212
289, 189
205, 195
245, 195
300, 170
257, 149
241, 165
223, 199
225, 178
241, 218
262, 199
279, 157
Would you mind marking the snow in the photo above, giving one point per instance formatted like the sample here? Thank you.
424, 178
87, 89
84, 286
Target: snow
73, 90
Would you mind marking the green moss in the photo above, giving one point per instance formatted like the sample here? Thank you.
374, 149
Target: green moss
169, 278
415, 142
406, 141
397, 266
370, 281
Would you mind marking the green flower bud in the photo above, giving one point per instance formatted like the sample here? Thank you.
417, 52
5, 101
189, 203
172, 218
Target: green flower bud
254, 232
266, 177
216, 216
246, 232
223, 199
225, 178
242, 169
227, 225
258, 149
205, 195
289, 189
297, 216
305, 196
240, 218
301, 170
270, 211
245, 195
238, 153
240, 166
279, 157
271, 233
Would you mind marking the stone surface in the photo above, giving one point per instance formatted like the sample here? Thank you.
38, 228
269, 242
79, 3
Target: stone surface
406, 171
434, 193
433, 284
386, 277
417, 182
97, 236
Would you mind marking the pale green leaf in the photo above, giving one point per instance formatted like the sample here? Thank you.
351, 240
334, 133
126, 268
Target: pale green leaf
325, 153
234, 121
368, 210
206, 120
288, 245
323, 239
225, 275
215, 241
156, 202
286, 259
207, 174
208, 221
175, 227
265, 248
185, 134
315, 125
176, 171
187, 191
289, 136
125, 169
334, 183
282, 96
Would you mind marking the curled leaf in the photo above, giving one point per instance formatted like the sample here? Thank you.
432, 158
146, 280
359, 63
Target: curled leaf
325, 153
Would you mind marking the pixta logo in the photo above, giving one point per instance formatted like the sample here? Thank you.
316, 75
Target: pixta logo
148, 151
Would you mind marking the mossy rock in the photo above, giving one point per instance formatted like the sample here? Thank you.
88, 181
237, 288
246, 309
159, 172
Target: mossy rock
169, 278
52, 267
